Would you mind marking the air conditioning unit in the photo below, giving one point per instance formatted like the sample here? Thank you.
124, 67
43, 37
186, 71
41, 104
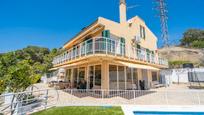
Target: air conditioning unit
137, 39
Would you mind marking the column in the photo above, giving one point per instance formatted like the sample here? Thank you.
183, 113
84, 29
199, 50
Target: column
149, 73
72, 78
139, 73
117, 79
158, 76
105, 76
125, 68
87, 76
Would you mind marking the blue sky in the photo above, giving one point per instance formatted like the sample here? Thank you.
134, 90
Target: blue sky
50, 23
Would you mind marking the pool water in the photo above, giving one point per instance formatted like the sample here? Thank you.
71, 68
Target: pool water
167, 113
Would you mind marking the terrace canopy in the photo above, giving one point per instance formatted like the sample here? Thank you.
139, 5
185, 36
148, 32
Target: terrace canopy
138, 66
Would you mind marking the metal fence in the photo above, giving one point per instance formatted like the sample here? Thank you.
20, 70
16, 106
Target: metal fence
29, 102
137, 97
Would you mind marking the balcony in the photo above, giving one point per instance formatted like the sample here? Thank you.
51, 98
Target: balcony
108, 46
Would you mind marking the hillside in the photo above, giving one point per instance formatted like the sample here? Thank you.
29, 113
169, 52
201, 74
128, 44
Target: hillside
180, 54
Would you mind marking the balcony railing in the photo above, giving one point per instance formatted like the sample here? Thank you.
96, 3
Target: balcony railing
109, 46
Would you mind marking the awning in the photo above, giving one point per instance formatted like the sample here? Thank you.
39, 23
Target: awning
132, 65
68, 65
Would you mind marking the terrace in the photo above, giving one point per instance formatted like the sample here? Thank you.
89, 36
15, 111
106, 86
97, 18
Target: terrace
109, 47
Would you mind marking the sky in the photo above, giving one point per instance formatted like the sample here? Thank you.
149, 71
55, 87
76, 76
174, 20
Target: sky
51, 23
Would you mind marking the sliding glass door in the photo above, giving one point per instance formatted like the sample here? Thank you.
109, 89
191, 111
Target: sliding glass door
98, 75
129, 78
81, 74
145, 78
113, 77
91, 81
135, 79
75, 76
121, 77
68, 75
94, 80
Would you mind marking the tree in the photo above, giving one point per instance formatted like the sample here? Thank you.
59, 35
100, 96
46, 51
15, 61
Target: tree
19, 76
22, 68
191, 36
6, 61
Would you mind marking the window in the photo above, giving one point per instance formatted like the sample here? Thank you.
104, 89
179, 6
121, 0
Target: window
113, 76
89, 46
75, 77
129, 78
94, 79
135, 76
121, 77
148, 54
98, 75
69, 73
91, 77
81, 74
142, 31
154, 76
122, 46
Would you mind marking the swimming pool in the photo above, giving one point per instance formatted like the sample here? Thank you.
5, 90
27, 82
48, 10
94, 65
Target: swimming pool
162, 110
166, 113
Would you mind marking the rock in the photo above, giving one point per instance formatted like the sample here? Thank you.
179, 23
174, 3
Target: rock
192, 55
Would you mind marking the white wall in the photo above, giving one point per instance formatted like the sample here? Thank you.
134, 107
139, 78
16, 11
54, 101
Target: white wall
178, 75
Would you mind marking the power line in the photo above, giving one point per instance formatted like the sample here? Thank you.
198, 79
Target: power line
161, 7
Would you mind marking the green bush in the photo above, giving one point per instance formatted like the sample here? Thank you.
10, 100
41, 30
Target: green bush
198, 44
177, 63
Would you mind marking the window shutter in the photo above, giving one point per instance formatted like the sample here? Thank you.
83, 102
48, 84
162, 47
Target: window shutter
152, 52
122, 40
138, 46
141, 31
144, 32
148, 51
106, 33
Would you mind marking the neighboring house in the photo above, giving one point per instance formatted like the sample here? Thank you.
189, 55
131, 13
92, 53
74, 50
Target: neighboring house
112, 55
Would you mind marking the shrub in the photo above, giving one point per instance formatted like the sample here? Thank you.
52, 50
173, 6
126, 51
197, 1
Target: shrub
198, 44
177, 63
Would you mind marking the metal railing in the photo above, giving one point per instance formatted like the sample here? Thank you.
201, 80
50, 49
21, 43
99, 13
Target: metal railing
109, 46
29, 102
76, 97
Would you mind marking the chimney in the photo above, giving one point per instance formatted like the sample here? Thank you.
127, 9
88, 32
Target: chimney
123, 9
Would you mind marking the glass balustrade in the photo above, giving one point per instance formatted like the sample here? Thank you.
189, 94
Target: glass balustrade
109, 46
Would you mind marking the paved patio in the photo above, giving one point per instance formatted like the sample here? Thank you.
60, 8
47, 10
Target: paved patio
175, 95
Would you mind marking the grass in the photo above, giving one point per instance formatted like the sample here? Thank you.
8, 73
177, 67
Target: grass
82, 111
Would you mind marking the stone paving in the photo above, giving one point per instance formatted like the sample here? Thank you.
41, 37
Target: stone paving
175, 95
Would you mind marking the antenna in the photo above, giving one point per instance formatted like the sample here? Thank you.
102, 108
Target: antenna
161, 7
133, 6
